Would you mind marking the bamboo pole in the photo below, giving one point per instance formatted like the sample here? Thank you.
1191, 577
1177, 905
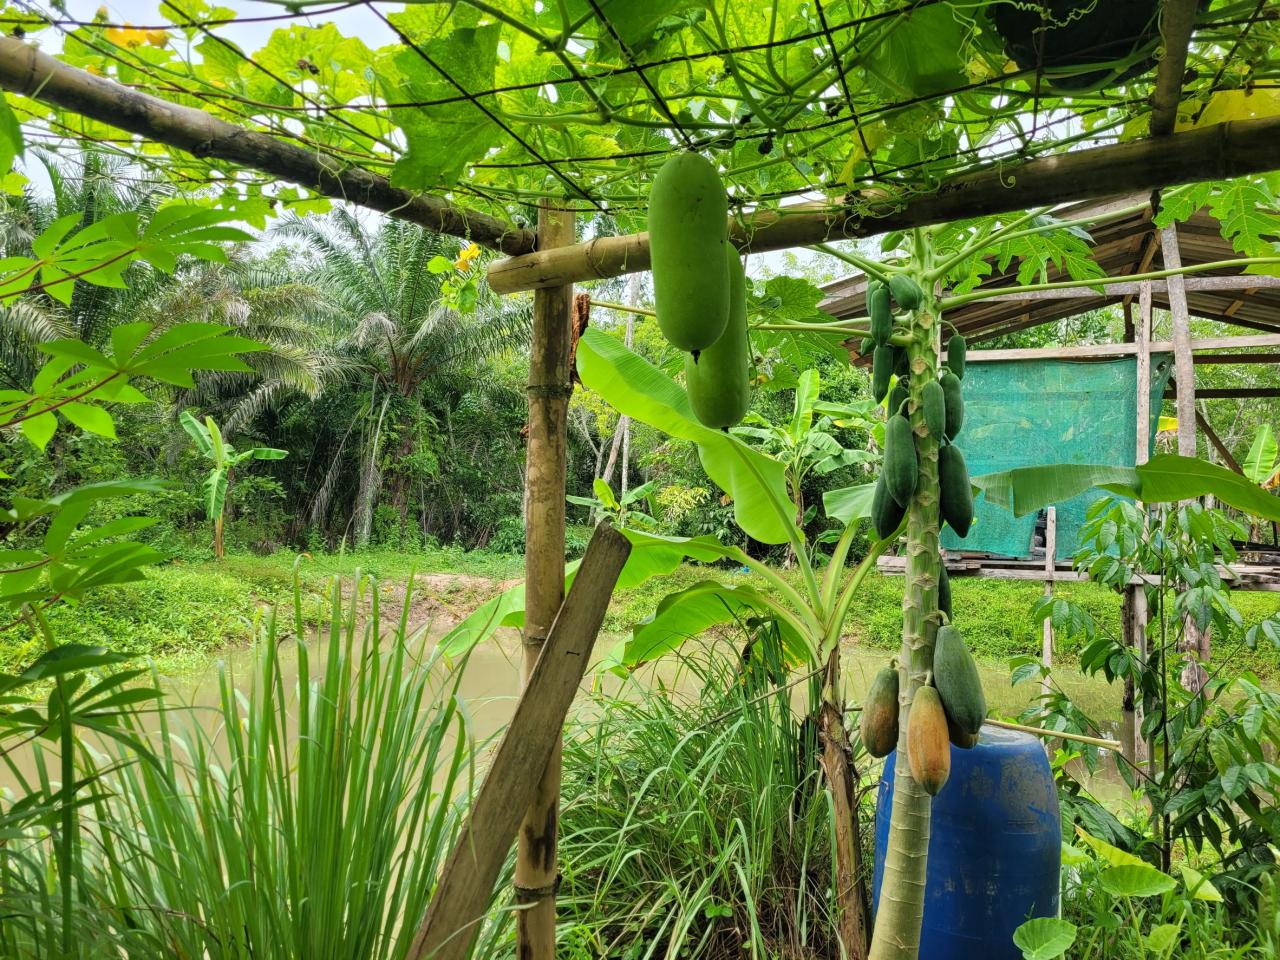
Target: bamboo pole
1056, 734
549, 391
466, 883
1050, 567
31, 73
1177, 20
1217, 152
1183, 369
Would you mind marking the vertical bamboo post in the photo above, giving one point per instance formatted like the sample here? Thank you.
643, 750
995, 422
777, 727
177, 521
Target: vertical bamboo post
549, 390
1142, 339
1194, 640
1050, 569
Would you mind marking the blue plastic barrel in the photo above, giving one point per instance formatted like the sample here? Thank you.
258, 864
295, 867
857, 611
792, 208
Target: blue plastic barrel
995, 847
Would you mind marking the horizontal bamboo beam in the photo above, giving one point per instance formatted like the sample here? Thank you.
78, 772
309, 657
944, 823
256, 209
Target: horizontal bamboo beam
1229, 393
31, 73
1177, 20
1056, 734
1191, 284
467, 880
1218, 152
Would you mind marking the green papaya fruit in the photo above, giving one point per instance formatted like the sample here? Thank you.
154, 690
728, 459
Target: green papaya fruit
881, 371
953, 403
955, 674
944, 590
956, 352
880, 312
962, 739
901, 362
934, 405
906, 292
928, 747
955, 495
886, 513
719, 382
897, 397
688, 233
879, 721
864, 348
901, 463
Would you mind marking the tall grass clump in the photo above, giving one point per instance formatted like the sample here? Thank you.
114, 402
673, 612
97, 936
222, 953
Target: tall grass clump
695, 824
308, 819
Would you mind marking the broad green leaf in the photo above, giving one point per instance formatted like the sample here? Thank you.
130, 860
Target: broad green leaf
1044, 938
1073, 856
1135, 880
1113, 855
807, 390
1260, 462
688, 613
849, 504
1162, 938
1166, 478
1198, 885
636, 388
266, 453
651, 556
197, 431
40, 429
10, 137
604, 493
89, 418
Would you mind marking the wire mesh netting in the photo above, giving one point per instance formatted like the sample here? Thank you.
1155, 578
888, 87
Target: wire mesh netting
1025, 413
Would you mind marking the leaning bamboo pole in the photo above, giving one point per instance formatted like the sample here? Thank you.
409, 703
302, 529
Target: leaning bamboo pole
549, 391
27, 71
1213, 153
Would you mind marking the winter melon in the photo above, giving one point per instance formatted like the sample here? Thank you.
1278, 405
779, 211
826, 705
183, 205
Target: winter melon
688, 224
719, 382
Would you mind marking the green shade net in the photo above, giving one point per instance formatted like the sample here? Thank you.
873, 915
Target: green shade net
1025, 413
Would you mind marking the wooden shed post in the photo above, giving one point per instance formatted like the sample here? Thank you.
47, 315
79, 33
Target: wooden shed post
1050, 572
549, 391
1194, 640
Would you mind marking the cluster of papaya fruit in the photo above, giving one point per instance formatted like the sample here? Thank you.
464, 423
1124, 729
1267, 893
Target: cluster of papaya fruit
947, 708
942, 406
700, 287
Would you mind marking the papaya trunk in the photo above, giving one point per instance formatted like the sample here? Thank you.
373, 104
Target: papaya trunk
901, 905
837, 765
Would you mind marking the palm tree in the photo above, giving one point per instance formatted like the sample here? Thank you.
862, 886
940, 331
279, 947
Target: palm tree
260, 298
383, 291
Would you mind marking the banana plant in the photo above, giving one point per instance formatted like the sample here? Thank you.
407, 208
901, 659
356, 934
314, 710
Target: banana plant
224, 458
806, 611
621, 510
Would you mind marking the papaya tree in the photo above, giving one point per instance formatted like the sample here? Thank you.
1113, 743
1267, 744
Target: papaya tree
223, 458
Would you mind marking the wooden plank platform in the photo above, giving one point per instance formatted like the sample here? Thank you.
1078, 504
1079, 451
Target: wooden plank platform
1262, 577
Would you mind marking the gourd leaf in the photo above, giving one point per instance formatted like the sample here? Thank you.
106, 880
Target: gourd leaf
636, 388
1044, 938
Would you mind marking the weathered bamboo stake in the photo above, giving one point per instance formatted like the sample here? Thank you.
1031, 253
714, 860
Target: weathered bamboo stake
1217, 152
549, 391
466, 883
1177, 20
27, 71
1056, 734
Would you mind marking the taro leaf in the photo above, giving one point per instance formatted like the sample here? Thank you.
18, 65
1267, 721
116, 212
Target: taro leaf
1198, 885
1135, 880
636, 388
1113, 855
1162, 938
1044, 938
